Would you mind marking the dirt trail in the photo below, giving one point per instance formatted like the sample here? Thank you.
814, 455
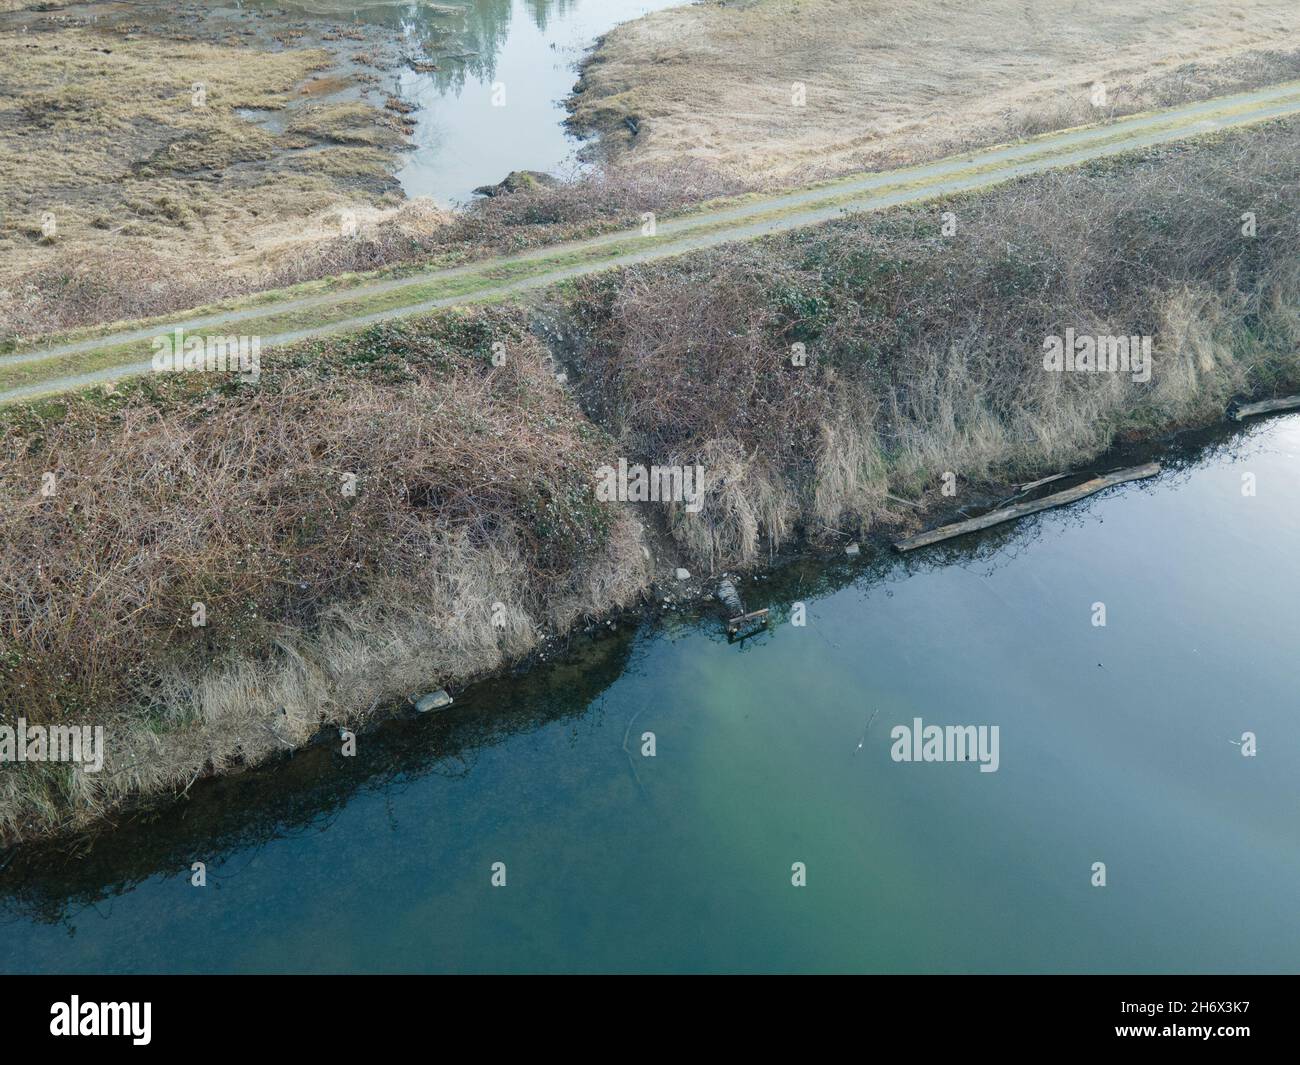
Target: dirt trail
94, 360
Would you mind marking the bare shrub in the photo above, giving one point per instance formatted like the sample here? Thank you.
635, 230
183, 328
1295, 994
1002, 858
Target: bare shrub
925, 352
348, 534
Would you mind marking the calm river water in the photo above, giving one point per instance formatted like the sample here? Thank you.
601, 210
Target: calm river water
1118, 744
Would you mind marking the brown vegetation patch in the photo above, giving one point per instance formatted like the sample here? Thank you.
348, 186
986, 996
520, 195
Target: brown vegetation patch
159, 191
353, 527
895, 81
925, 351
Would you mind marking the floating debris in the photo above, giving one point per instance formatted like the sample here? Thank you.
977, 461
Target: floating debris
433, 701
1020, 510
738, 620
1244, 410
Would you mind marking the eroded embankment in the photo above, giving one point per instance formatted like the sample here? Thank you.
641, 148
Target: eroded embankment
359, 524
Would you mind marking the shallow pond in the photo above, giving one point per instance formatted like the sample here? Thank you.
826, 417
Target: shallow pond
495, 103
487, 78
1118, 744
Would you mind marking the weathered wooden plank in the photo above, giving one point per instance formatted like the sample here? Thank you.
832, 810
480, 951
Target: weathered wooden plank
744, 621
1020, 510
1041, 481
1266, 406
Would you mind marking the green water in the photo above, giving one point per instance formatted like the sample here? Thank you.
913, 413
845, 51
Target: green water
1116, 746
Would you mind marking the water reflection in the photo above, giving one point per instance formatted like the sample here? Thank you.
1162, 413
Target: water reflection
302, 795
489, 78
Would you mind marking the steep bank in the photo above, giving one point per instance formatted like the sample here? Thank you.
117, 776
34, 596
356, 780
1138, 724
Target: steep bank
824, 377
217, 573
790, 91
472, 467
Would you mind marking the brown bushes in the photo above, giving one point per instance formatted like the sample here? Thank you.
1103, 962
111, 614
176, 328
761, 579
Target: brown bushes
924, 351
346, 534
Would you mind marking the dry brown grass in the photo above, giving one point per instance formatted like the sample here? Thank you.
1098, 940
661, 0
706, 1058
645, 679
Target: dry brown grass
925, 351
890, 81
472, 488
76, 287
156, 199
79, 285
162, 206
475, 484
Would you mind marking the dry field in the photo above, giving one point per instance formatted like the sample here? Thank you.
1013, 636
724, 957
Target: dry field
161, 202
892, 81
119, 183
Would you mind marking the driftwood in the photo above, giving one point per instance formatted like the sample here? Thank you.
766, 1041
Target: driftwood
747, 621
1040, 482
738, 619
1020, 510
1265, 407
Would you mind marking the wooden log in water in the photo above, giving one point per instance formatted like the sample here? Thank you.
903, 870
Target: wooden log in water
738, 618
1029, 487
1020, 510
1264, 407
747, 621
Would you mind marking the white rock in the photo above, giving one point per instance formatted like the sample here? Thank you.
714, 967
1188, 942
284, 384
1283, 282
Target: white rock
852, 549
683, 574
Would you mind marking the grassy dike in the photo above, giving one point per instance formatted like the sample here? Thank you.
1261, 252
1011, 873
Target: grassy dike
320, 308
356, 523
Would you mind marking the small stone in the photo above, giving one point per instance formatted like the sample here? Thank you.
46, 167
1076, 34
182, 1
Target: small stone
852, 549
433, 701
683, 574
